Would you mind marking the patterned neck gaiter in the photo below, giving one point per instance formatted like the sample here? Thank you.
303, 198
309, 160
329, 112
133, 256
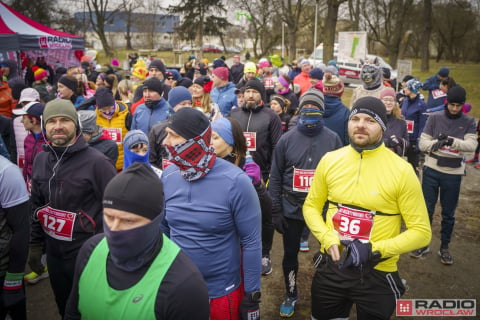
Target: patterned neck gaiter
194, 157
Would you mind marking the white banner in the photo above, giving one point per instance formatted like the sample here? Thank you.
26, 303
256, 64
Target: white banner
352, 46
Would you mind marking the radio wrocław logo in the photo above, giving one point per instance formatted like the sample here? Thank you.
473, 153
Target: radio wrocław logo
437, 307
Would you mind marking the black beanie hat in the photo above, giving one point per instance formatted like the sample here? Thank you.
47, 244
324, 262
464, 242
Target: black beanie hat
104, 97
255, 84
456, 94
188, 123
153, 84
137, 190
70, 82
156, 63
372, 106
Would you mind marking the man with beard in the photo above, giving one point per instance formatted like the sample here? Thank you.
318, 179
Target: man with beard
369, 191
68, 179
155, 108
262, 128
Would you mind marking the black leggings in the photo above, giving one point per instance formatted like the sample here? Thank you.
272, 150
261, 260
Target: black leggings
291, 247
61, 272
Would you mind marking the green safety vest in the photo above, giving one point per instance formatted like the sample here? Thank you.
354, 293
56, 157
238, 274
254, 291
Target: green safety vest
97, 300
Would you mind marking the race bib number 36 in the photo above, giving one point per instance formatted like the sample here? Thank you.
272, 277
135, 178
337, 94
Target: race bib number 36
302, 179
57, 224
251, 138
353, 223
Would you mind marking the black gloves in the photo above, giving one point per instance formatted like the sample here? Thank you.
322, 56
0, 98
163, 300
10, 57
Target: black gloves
278, 219
355, 253
443, 140
250, 307
395, 145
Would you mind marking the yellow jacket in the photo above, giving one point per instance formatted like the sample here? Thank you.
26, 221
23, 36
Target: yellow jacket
118, 121
377, 180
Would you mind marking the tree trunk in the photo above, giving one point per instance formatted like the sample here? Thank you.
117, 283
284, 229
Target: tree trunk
128, 34
106, 46
329, 31
427, 29
292, 45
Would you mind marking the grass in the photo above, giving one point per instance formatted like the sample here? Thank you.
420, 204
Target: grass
466, 74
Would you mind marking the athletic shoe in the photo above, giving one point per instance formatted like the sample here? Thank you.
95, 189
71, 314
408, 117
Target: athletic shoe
445, 256
477, 166
419, 252
304, 246
266, 266
33, 277
472, 161
287, 309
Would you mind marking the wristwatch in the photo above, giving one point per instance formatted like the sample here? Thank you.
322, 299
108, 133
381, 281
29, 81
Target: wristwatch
254, 296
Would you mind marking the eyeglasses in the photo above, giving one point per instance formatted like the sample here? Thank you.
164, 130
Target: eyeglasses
169, 78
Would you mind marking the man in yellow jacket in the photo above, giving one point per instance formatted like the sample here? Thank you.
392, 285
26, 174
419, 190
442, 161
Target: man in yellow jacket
369, 191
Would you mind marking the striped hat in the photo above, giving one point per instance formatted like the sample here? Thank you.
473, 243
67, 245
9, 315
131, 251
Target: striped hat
39, 73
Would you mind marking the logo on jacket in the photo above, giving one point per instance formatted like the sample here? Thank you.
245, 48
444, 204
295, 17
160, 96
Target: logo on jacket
137, 298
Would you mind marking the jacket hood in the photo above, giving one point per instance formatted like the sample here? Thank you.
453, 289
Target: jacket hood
13, 68
332, 105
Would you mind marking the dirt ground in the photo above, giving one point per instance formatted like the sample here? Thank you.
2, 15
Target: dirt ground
426, 278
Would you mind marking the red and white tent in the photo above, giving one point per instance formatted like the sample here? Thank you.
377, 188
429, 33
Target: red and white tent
20, 33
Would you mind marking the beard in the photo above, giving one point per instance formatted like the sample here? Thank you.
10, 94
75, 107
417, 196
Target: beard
251, 104
61, 141
364, 141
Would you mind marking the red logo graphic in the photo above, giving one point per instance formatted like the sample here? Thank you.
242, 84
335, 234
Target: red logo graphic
43, 42
404, 308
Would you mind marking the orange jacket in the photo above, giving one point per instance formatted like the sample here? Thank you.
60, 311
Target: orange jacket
6, 99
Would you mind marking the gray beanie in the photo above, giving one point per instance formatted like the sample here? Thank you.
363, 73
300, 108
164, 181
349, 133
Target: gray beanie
312, 96
134, 137
88, 121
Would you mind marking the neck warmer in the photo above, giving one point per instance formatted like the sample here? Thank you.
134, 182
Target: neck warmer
359, 150
310, 121
109, 115
194, 157
151, 103
132, 157
131, 249
197, 103
451, 115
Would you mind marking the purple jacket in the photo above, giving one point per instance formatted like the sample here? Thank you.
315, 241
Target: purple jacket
32, 145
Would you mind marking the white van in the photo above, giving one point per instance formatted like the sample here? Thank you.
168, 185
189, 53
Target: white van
317, 55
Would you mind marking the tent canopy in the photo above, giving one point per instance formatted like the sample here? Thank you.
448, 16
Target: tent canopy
18, 32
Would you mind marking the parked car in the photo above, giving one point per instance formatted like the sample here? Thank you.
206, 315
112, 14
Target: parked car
213, 48
233, 50
188, 48
349, 72
317, 55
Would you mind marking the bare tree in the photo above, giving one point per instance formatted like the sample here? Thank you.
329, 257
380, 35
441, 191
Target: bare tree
100, 15
386, 22
129, 7
354, 13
